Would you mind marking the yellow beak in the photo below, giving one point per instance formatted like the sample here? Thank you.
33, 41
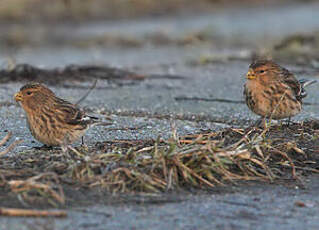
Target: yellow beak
250, 75
18, 97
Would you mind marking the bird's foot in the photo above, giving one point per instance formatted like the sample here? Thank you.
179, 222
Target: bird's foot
288, 122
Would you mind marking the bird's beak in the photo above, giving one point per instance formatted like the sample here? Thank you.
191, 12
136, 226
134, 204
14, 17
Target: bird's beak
18, 97
250, 75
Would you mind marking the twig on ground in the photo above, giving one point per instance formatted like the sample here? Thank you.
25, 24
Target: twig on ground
31, 212
87, 93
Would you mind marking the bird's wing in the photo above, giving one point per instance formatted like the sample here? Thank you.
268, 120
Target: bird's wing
72, 115
289, 79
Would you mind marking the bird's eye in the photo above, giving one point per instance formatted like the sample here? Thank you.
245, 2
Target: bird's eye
29, 92
261, 71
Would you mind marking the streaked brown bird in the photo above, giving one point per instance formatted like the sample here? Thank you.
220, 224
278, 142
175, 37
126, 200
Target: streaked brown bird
273, 92
52, 120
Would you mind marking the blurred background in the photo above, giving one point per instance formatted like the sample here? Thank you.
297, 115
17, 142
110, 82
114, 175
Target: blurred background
139, 34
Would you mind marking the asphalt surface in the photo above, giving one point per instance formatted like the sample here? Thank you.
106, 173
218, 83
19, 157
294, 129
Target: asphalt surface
205, 97
211, 94
246, 206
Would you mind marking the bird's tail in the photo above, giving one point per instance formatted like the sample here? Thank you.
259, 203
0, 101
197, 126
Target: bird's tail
305, 82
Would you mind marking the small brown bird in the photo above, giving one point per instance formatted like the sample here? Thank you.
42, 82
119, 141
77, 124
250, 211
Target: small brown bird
271, 91
52, 120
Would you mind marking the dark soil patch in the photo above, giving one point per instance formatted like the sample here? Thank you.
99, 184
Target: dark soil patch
25, 72
72, 73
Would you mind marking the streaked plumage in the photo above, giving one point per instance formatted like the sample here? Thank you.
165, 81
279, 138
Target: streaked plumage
52, 120
271, 91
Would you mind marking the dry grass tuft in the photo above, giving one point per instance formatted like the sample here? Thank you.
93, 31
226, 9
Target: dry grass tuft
202, 160
11, 146
38, 188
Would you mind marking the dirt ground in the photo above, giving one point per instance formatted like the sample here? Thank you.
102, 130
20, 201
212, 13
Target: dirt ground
168, 83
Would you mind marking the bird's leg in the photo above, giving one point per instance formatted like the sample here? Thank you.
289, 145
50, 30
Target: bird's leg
264, 123
285, 122
83, 145
260, 123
